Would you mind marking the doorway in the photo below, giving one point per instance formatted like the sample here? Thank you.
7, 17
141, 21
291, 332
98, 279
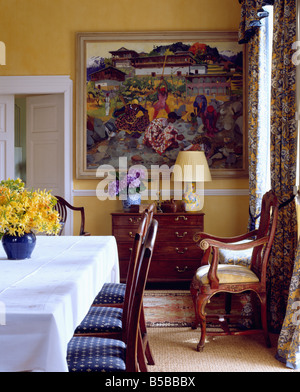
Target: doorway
39, 141
11, 86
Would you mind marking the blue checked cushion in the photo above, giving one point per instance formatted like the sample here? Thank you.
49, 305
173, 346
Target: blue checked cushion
111, 293
91, 354
101, 319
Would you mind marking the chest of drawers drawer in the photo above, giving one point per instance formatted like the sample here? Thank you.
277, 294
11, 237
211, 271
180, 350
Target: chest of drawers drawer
126, 220
180, 220
172, 272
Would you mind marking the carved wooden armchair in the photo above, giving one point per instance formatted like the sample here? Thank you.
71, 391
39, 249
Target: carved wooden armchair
61, 206
213, 278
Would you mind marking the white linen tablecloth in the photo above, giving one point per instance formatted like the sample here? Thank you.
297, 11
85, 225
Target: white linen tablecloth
44, 298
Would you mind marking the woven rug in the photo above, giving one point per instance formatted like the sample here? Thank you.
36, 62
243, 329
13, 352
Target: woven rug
174, 308
174, 350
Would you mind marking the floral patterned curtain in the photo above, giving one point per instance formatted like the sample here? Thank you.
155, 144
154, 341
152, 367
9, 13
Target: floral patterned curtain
255, 172
283, 158
259, 55
252, 30
284, 269
251, 15
288, 350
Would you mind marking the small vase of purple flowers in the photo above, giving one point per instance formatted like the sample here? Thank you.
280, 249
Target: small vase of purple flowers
128, 186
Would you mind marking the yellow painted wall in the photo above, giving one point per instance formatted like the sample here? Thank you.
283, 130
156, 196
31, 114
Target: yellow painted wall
40, 40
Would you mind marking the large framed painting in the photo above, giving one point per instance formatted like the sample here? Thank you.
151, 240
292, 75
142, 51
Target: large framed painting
146, 96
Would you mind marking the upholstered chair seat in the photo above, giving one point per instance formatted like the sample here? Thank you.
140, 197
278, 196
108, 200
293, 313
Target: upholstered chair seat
111, 293
101, 320
227, 273
91, 354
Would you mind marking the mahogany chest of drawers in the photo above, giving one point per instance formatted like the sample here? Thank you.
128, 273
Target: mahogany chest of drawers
176, 256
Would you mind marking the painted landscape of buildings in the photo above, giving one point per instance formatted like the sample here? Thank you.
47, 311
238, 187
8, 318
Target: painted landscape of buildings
130, 95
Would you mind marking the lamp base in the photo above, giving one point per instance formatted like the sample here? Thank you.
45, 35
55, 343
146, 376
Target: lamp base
191, 201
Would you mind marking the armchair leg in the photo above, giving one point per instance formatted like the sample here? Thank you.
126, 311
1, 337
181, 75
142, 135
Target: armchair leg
194, 294
228, 297
202, 300
200, 345
264, 320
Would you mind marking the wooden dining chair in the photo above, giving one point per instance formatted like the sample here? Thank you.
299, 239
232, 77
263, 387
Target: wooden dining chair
91, 353
110, 321
62, 207
212, 278
113, 294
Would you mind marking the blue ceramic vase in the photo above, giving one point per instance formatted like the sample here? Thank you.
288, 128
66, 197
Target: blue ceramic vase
134, 199
19, 248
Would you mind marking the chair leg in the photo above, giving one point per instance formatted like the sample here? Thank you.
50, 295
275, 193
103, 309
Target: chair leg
228, 297
141, 353
202, 300
194, 294
145, 341
264, 319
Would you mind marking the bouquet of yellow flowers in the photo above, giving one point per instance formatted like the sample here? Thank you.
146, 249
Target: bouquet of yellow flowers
23, 210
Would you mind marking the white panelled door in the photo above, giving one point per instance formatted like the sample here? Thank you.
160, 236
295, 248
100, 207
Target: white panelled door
45, 143
7, 163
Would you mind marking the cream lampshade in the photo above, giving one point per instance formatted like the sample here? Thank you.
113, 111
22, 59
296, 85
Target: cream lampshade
192, 168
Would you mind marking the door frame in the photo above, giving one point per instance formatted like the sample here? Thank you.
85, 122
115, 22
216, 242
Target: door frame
62, 84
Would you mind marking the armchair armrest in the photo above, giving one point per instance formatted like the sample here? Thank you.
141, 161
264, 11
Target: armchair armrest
208, 242
200, 236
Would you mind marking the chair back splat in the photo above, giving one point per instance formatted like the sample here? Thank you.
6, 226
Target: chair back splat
62, 208
139, 239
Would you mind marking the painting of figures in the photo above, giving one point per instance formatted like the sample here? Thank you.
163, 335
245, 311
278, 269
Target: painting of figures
147, 99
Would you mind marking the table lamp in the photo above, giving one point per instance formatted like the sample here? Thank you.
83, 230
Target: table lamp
192, 168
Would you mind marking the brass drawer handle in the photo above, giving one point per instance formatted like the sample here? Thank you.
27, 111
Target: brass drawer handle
180, 235
131, 235
134, 220
181, 270
181, 217
181, 252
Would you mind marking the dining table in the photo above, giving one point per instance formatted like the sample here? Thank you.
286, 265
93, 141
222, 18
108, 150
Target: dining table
45, 297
